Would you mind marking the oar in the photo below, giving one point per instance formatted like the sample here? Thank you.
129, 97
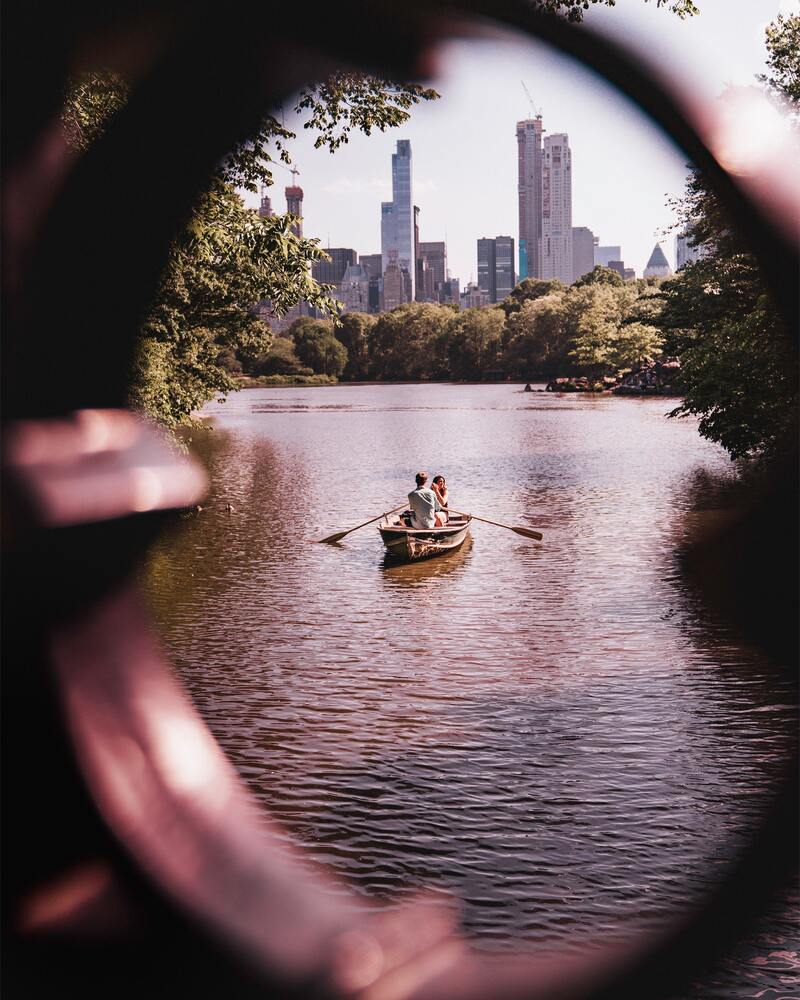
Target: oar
340, 534
527, 532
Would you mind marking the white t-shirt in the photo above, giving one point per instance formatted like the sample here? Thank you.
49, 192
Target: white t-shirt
424, 503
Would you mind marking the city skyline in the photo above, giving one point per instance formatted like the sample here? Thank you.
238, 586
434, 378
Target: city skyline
465, 169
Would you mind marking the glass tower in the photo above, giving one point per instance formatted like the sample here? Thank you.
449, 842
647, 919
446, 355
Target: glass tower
556, 244
529, 166
397, 215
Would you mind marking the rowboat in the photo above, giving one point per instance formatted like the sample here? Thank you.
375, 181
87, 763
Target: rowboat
409, 544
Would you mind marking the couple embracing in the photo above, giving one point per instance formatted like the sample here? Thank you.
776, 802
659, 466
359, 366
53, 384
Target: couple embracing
429, 504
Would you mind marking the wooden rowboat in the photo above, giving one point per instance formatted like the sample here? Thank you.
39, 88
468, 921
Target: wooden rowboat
409, 544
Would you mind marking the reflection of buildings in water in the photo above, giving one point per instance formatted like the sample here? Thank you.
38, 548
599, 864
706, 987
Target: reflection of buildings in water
419, 574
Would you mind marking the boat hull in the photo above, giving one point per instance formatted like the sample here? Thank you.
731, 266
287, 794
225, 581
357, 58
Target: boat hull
411, 544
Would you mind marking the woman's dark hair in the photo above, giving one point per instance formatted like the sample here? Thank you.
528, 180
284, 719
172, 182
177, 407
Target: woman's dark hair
437, 478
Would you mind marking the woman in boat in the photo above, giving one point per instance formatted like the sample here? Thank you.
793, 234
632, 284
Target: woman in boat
439, 487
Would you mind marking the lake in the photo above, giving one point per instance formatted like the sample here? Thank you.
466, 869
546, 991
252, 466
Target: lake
561, 734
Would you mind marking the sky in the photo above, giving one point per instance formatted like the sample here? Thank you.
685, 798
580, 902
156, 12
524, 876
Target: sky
464, 145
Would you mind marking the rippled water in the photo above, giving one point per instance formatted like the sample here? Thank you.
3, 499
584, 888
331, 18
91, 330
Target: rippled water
559, 734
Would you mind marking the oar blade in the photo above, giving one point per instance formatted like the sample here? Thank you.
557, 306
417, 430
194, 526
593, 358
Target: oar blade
331, 539
528, 533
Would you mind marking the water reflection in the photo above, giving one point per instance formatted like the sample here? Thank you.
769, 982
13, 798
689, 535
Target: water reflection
562, 734
425, 571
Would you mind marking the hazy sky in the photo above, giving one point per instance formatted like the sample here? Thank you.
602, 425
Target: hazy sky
464, 145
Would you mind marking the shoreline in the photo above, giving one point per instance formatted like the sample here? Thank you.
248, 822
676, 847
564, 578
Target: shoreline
253, 382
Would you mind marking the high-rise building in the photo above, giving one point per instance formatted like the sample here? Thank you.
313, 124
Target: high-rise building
435, 254
353, 290
582, 251
529, 190
618, 266
556, 242
397, 216
394, 289
473, 296
373, 262
487, 268
265, 208
686, 252
448, 291
602, 255
630, 274
496, 267
504, 267
294, 205
373, 265
331, 271
418, 265
658, 265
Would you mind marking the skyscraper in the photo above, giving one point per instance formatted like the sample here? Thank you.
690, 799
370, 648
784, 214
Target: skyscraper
294, 205
582, 251
658, 265
394, 287
487, 267
397, 216
265, 208
529, 189
686, 252
433, 268
604, 255
556, 243
504, 266
496, 267
353, 291
331, 271
373, 262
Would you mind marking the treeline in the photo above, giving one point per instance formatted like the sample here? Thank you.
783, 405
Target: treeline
597, 326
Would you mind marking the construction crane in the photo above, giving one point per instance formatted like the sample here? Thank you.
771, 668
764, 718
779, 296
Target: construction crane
292, 170
537, 112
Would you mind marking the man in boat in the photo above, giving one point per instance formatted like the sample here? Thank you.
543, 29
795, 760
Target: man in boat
425, 504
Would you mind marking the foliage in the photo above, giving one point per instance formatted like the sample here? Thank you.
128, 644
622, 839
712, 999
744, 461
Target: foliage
783, 60
539, 335
600, 275
739, 362
227, 258
574, 10
94, 98
348, 101
280, 359
268, 381
353, 331
475, 340
316, 346
528, 290
410, 342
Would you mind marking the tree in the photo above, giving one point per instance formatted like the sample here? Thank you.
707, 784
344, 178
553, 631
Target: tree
634, 343
354, 330
410, 342
600, 275
574, 10
228, 258
539, 335
528, 290
475, 341
739, 363
596, 331
316, 346
280, 359
783, 63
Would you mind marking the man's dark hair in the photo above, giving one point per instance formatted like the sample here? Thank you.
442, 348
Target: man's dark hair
422, 478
